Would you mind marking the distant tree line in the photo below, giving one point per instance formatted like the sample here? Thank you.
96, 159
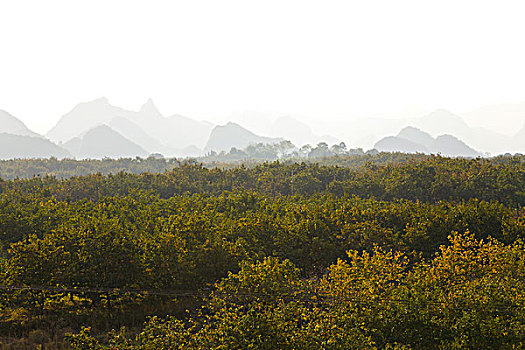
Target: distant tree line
284, 150
60, 168
156, 163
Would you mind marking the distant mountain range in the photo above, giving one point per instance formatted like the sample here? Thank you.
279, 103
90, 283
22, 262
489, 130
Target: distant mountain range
413, 140
147, 127
97, 129
366, 132
443, 122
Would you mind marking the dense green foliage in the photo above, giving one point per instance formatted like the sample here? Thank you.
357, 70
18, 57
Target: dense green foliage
429, 179
357, 257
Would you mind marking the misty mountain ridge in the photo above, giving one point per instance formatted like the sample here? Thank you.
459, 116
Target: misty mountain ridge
504, 118
272, 124
149, 108
365, 132
416, 136
12, 125
83, 117
101, 142
169, 133
147, 131
224, 137
132, 131
23, 146
297, 132
442, 122
399, 144
414, 140
518, 141
451, 146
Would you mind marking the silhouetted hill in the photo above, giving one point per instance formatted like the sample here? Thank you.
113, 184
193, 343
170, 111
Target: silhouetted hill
135, 133
102, 141
399, 144
365, 132
190, 151
273, 124
518, 141
176, 132
413, 140
188, 132
442, 122
20, 146
258, 122
83, 117
415, 135
451, 146
12, 125
157, 133
296, 131
224, 137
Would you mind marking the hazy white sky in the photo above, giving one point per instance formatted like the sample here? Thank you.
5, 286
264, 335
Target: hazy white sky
206, 59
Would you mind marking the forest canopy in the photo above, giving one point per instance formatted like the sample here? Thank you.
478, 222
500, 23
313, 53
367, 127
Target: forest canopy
388, 252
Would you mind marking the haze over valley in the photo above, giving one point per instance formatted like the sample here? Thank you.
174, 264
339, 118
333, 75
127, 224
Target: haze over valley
98, 129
